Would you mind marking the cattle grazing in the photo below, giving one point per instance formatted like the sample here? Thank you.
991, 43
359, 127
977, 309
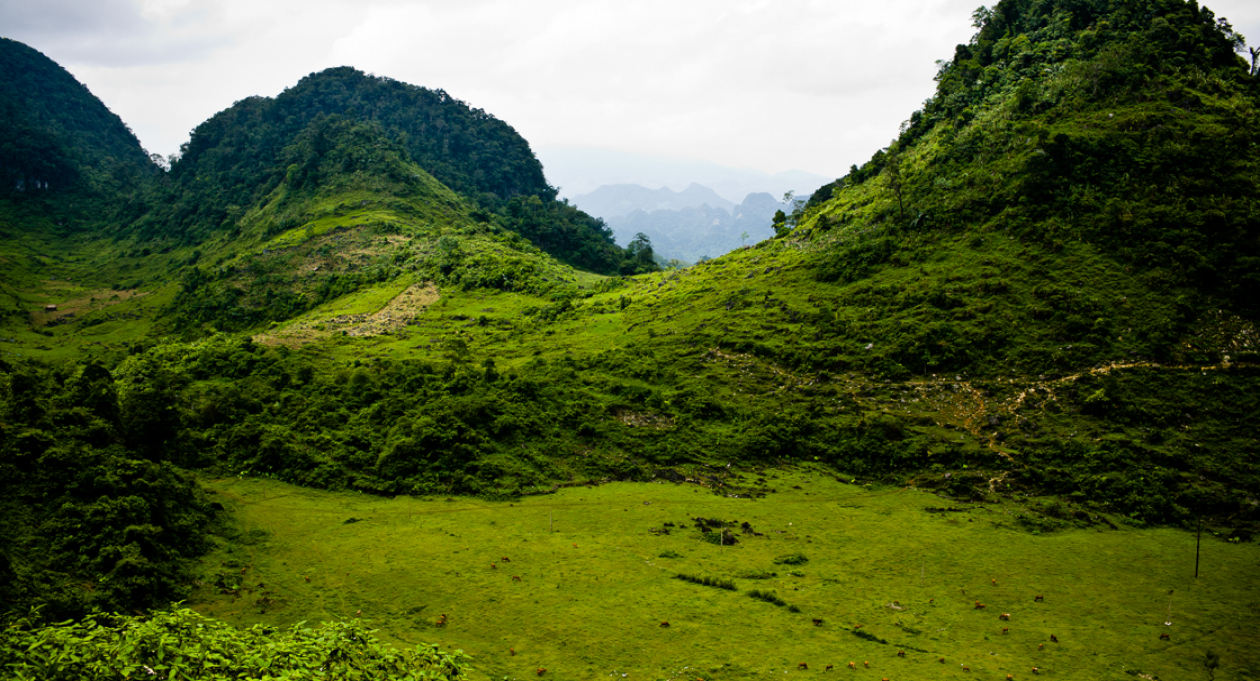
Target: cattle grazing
541, 671
1034, 670
494, 567
852, 665
901, 653
1038, 598
664, 623
441, 620
802, 665
1041, 646
512, 651
942, 660
1009, 677
516, 578
817, 622
980, 606
994, 582
1005, 630
829, 667
1165, 637
1054, 639
965, 668
866, 663
507, 560
1005, 616
308, 579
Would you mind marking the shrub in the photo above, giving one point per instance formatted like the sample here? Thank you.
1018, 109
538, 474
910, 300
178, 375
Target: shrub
707, 581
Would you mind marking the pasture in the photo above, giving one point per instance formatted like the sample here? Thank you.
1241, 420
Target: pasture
580, 582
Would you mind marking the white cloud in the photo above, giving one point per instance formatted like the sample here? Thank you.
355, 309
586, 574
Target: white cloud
809, 84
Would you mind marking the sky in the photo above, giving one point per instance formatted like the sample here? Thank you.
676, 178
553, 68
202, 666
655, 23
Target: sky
771, 85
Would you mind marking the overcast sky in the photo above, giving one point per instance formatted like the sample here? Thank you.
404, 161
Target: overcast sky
770, 85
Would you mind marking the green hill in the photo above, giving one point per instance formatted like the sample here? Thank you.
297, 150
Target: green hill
55, 136
1044, 286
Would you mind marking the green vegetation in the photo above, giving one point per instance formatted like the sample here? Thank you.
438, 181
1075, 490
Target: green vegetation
1037, 304
727, 584
592, 594
184, 645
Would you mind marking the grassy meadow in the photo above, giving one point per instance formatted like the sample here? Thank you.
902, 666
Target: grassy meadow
885, 570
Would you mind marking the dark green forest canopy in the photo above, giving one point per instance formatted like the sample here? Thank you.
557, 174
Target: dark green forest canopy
55, 136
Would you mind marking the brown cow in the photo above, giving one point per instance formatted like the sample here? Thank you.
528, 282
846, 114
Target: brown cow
1005, 616
1038, 598
664, 623
1054, 639
516, 578
980, 606
802, 665
1165, 637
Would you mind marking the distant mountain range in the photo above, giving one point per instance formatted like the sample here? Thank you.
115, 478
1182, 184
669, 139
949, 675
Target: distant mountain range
688, 225
582, 170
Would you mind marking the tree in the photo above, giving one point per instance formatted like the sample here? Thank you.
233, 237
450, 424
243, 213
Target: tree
640, 257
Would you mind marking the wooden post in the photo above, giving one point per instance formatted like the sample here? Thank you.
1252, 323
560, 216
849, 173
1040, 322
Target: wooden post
1197, 541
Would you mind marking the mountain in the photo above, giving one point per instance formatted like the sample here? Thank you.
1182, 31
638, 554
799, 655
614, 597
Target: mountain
55, 136
616, 200
689, 225
697, 233
582, 170
1044, 287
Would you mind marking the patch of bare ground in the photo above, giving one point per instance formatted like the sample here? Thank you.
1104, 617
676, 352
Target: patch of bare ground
86, 301
643, 419
400, 311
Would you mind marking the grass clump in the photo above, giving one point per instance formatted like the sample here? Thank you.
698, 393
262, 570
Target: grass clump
727, 584
791, 559
767, 596
757, 574
866, 635
669, 553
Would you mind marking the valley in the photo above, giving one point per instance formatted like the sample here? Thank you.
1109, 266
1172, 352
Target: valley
349, 362
885, 569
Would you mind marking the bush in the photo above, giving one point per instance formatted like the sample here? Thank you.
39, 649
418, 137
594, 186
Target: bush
183, 644
707, 581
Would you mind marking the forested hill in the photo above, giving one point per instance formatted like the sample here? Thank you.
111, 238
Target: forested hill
55, 136
1128, 126
238, 157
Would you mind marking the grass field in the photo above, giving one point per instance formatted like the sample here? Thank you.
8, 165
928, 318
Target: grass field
592, 594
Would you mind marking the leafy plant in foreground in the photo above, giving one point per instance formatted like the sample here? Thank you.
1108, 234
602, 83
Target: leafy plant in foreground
184, 645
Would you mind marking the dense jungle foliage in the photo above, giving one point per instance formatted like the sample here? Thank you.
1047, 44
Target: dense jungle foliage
181, 644
92, 517
62, 152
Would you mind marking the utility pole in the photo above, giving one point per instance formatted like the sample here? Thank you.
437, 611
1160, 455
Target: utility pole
1198, 540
